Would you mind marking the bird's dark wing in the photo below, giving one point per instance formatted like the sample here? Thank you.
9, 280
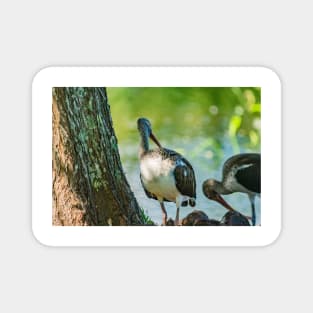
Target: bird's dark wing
185, 178
169, 154
183, 173
248, 172
250, 177
241, 160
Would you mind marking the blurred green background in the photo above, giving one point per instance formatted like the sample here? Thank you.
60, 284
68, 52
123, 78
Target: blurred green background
207, 125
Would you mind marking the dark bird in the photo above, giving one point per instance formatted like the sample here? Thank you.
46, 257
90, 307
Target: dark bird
170, 222
241, 173
233, 218
199, 218
165, 174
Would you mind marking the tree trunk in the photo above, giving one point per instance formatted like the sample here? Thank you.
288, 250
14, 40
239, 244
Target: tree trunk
89, 185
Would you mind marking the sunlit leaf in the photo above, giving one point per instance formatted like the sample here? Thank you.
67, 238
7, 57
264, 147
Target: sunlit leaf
254, 137
255, 108
234, 125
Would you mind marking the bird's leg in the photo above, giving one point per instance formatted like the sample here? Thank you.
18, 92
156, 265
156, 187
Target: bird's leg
178, 203
252, 200
164, 213
177, 217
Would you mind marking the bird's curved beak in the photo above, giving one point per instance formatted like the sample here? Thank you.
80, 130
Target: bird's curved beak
221, 200
155, 140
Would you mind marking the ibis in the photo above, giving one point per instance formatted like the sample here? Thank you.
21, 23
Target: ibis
165, 174
241, 173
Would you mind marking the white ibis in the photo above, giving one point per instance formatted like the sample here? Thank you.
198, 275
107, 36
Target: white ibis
241, 173
165, 174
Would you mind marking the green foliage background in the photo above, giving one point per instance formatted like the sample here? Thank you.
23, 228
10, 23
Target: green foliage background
177, 112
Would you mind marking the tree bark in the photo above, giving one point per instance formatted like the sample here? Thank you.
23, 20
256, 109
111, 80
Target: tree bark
89, 185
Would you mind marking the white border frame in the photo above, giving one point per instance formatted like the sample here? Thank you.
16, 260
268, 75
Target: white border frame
48, 234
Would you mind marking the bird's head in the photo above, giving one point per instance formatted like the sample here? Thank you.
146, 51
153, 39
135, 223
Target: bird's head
145, 129
210, 189
144, 124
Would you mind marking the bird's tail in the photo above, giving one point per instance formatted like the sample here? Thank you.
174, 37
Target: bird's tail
192, 202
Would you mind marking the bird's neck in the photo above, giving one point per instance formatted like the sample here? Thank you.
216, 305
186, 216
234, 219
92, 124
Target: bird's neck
144, 144
220, 188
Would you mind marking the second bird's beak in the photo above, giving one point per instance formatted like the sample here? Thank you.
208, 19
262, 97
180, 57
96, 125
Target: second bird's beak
221, 200
155, 140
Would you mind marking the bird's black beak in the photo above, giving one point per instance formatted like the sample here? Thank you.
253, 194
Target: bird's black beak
155, 140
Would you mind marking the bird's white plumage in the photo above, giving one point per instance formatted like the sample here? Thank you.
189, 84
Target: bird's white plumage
159, 173
158, 178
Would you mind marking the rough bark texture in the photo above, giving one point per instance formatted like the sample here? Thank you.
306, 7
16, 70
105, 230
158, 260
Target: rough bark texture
89, 185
